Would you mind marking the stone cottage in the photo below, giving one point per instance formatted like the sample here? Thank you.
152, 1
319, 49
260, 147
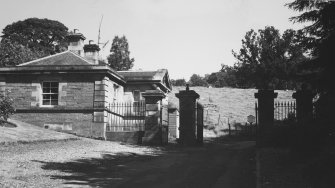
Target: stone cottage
153, 87
140, 82
73, 91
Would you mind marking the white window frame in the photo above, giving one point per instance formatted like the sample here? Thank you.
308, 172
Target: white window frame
50, 93
115, 93
137, 92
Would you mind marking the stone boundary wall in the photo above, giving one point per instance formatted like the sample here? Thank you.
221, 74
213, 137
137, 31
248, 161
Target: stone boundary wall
77, 123
131, 137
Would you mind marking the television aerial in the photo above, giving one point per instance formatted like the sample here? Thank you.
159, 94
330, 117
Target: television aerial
102, 44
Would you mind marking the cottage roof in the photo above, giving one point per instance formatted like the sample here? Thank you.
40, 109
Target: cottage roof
160, 77
65, 62
139, 75
70, 62
63, 58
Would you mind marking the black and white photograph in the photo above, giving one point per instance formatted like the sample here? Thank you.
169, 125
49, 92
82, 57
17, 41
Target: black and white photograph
167, 93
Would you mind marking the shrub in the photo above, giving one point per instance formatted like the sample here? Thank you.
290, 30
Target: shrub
178, 82
6, 106
197, 80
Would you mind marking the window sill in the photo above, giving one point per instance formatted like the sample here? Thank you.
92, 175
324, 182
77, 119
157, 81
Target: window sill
48, 106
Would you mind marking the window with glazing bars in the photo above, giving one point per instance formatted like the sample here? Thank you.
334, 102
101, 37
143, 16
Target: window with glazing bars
50, 93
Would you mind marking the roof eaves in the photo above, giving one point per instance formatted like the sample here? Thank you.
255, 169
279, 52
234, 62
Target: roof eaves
140, 75
165, 87
159, 82
143, 81
160, 73
116, 75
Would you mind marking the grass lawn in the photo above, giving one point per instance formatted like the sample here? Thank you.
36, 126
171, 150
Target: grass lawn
24, 132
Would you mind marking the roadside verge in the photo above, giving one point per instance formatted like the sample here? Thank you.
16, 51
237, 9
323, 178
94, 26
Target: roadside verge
27, 133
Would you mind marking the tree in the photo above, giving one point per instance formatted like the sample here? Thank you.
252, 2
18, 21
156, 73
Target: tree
319, 70
41, 35
119, 59
224, 78
228, 74
320, 14
178, 82
266, 59
12, 54
197, 80
212, 79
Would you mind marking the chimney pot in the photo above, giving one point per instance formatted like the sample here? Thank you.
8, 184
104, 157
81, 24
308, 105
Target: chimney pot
91, 52
76, 42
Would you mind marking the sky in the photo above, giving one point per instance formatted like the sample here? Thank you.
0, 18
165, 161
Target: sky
184, 36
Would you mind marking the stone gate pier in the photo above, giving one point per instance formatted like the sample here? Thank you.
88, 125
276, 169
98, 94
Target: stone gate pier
265, 114
153, 123
187, 109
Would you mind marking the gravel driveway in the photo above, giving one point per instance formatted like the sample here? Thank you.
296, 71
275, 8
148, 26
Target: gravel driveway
94, 163
22, 164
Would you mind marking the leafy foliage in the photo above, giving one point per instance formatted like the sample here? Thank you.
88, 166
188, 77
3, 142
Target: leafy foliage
6, 106
12, 54
268, 59
119, 59
320, 13
226, 77
42, 35
319, 71
178, 82
197, 80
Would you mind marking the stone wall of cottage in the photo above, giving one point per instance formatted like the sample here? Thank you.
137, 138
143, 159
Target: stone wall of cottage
113, 92
106, 92
75, 123
130, 88
141, 87
79, 109
75, 92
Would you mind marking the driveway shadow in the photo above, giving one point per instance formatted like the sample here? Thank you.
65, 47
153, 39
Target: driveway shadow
170, 166
110, 169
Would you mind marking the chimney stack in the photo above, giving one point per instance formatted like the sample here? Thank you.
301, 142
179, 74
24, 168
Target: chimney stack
91, 52
76, 42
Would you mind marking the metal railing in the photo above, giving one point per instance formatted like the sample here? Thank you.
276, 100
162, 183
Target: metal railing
284, 110
126, 116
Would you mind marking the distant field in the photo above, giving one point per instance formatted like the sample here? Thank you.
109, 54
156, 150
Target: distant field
223, 103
